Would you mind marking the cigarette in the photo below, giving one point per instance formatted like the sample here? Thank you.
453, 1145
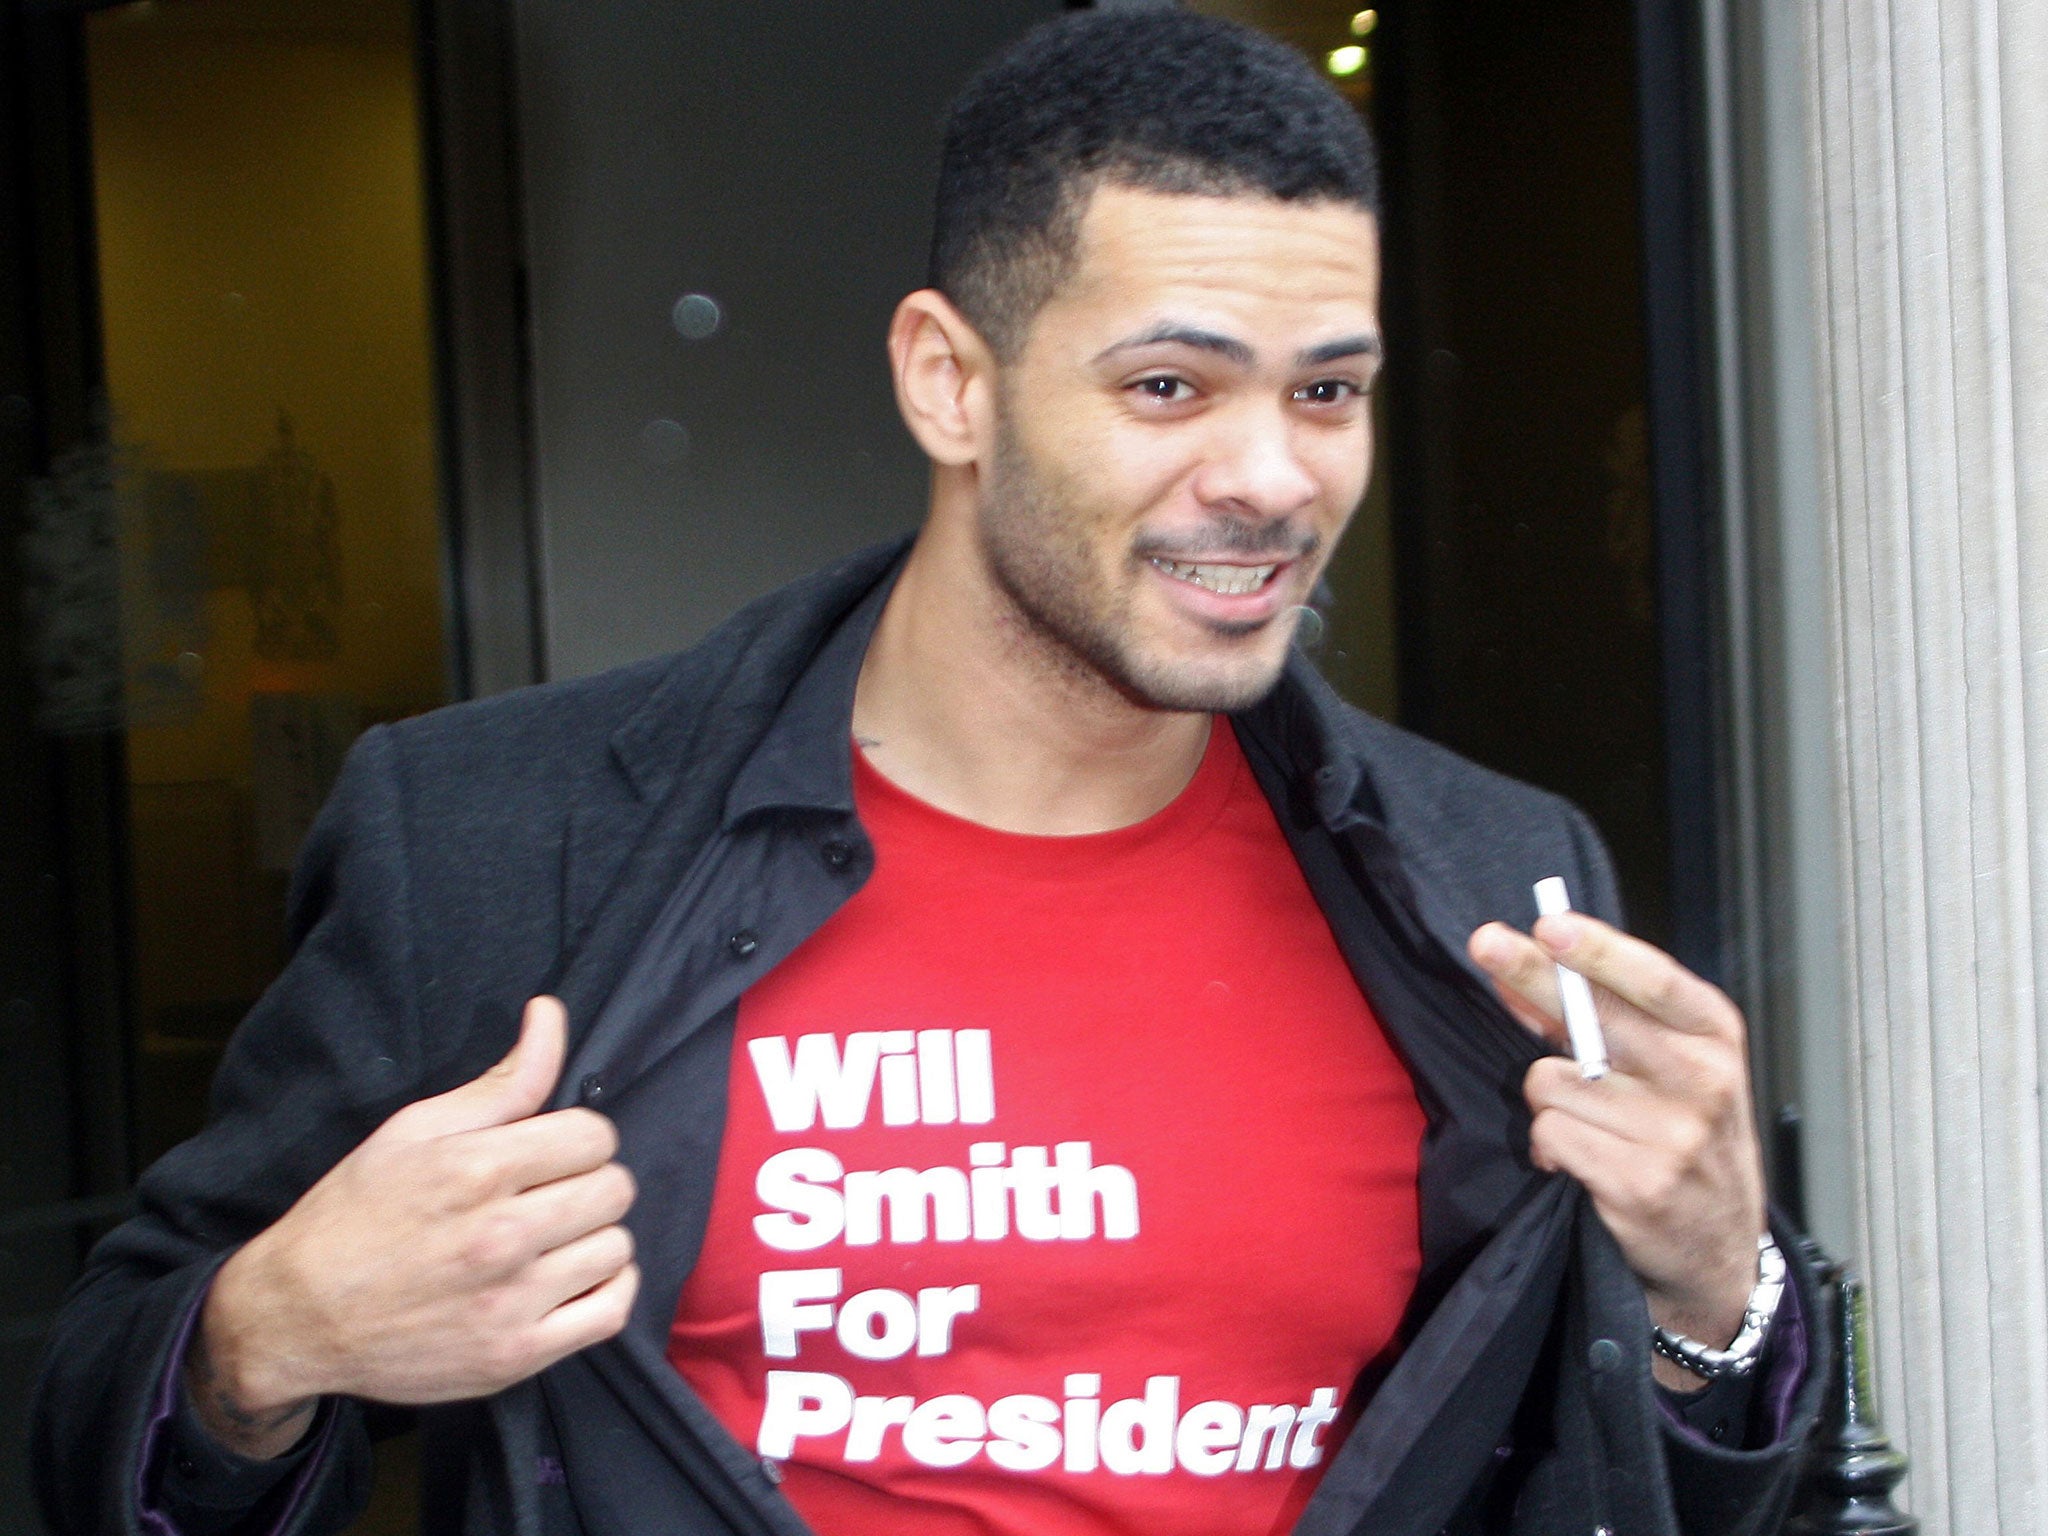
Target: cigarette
1581, 1021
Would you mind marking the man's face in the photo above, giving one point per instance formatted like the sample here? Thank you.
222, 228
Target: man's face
1183, 437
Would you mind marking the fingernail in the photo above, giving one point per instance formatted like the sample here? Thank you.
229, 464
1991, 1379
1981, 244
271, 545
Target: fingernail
1559, 934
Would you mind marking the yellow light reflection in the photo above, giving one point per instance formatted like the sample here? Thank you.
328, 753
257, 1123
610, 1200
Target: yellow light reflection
1363, 23
1347, 61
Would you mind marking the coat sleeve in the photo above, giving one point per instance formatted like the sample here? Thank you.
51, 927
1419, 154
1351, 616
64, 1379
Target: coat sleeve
328, 1053
1747, 1491
1742, 1489
1612, 1456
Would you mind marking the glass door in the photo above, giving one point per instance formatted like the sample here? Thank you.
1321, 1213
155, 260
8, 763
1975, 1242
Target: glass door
1508, 599
227, 553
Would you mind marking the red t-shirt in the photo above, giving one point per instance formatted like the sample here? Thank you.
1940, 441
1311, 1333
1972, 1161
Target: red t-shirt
1068, 1184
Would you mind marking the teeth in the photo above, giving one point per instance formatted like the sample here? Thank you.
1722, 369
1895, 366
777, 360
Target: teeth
1230, 580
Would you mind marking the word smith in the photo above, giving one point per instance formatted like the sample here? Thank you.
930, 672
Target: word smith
813, 1200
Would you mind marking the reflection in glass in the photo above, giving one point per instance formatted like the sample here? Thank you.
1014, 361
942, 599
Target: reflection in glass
243, 570
272, 483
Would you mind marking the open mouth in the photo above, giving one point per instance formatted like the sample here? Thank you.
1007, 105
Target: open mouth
1225, 580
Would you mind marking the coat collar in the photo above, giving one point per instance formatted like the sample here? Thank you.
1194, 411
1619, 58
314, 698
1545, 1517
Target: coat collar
803, 760
733, 686
1303, 718
764, 708
696, 734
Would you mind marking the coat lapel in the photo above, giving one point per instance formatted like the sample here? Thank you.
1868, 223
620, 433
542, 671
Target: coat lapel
630, 841
1430, 1432
1432, 1426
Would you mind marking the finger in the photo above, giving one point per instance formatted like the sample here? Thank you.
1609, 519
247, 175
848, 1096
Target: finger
1550, 1030
554, 1215
1610, 1167
1634, 1042
576, 1267
1690, 1238
1646, 1182
1619, 1103
1638, 974
590, 1318
515, 1088
505, 1159
1565, 1143
1523, 975
1639, 1172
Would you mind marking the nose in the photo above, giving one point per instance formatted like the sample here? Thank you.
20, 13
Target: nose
1253, 466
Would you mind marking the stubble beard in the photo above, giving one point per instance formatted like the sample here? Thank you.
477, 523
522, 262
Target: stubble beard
1034, 541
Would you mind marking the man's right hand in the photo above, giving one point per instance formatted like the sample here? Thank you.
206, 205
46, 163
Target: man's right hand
468, 1243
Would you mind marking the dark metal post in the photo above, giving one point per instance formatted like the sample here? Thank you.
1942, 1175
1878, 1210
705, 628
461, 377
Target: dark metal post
1852, 1468
1788, 1165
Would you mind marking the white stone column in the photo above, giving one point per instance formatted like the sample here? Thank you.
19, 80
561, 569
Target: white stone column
1929, 170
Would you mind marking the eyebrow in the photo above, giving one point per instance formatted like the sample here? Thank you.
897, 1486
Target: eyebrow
1185, 336
1364, 345
1169, 331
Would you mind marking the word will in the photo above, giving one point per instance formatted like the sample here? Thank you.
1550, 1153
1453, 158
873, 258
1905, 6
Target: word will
927, 1077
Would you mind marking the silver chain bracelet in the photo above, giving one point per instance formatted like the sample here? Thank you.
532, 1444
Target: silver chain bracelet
1747, 1347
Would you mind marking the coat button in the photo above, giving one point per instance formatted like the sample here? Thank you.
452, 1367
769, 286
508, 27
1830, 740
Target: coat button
838, 853
590, 1092
1603, 1356
743, 943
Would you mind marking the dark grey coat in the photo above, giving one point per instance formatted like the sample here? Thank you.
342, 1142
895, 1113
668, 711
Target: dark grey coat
644, 843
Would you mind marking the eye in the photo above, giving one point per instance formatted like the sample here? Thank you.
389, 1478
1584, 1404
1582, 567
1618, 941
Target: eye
1165, 388
1328, 392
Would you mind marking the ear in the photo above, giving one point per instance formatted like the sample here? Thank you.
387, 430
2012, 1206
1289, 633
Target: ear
945, 378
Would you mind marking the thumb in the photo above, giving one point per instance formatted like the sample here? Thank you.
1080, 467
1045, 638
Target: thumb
515, 1088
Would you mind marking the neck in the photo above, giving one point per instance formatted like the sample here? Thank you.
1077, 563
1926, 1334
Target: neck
963, 703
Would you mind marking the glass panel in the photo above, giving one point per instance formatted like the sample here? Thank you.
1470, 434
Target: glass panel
1504, 565
1359, 653
262, 264
217, 415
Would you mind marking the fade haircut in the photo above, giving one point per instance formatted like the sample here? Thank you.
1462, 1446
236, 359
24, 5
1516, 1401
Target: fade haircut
1158, 99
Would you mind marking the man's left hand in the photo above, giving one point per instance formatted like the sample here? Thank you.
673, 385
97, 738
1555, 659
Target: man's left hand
1665, 1143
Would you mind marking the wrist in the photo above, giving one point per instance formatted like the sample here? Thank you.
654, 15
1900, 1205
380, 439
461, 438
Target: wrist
1738, 1357
1713, 1318
1713, 1315
248, 1388
1708, 1302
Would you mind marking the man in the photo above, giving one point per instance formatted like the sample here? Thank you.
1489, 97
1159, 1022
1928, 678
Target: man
1024, 1060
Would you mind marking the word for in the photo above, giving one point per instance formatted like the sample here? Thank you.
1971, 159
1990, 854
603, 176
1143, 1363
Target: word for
873, 1325
928, 1077
1028, 1433
812, 1200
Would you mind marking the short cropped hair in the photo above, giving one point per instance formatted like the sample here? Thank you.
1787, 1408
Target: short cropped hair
1159, 99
